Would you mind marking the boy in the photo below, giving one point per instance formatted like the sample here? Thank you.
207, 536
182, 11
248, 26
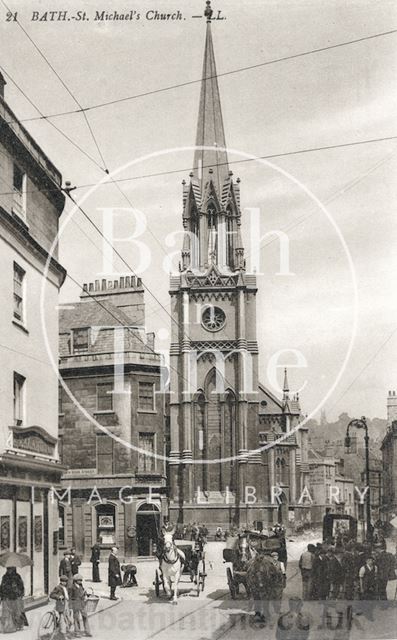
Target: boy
61, 596
78, 596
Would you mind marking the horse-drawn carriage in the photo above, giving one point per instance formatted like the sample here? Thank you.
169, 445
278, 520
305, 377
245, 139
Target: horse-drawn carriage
191, 562
240, 550
339, 528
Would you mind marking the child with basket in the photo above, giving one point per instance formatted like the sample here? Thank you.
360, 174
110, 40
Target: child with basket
78, 604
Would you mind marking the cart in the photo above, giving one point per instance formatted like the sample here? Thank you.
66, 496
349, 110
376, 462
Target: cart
194, 566
238, 553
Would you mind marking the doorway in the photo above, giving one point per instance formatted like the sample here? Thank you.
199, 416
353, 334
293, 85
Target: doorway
147, 528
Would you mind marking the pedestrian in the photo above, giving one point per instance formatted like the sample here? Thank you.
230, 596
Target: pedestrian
129, 577
78, 605
306, 568
335, 575
12, 590
75, 561
65, 567
60, 594
189, 531
385, 564
184, 531
279, 564
195, 531
293, 625
114, 575
282, 553
369, 584
95, 560
350, 567
320, 586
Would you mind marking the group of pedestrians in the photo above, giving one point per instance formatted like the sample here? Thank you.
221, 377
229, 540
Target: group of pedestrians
71, 605
352, 572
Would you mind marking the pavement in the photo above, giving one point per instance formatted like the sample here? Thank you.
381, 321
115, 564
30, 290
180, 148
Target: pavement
213, 615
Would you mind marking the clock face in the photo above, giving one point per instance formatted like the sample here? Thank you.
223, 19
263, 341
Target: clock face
213, 318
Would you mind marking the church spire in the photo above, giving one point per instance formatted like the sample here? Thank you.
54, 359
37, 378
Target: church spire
210, 132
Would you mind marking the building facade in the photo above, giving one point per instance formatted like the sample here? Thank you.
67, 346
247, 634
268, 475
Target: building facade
329, 488
222, 419
111, 422
389, 460
31, 202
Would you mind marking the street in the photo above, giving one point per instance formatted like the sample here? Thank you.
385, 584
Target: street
213, 615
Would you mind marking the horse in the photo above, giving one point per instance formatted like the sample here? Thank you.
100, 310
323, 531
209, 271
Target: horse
171, 564
265, 583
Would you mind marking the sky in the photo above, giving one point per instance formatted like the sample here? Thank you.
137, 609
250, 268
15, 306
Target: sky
336, 207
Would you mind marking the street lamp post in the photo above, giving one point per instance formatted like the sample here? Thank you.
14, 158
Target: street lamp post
361, 423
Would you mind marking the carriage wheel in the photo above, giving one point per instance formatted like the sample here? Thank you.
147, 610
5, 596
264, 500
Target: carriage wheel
157, 582
231, 583
47, 626
200, 577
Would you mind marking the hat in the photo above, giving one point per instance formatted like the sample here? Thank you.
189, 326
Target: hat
77, 577
63, 579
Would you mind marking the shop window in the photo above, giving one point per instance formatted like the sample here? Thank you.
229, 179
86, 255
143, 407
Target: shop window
146, 459
106, 523
80, 340
104, 396
4, 533
38, 533
22, 534
104, 449
61, 525
19, 289
146, 396
19, 389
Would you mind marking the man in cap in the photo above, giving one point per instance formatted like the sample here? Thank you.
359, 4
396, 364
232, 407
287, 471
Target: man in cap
65, 567
61, 596
78, 597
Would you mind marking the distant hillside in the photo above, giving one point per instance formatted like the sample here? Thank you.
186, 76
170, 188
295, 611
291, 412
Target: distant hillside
328, 438
332, 431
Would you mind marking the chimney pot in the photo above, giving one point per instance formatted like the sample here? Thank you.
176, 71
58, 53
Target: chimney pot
85, 286
115, 284
96, 285
121, 282
128, 282
103, 284
139, 282
133, 282
91, 286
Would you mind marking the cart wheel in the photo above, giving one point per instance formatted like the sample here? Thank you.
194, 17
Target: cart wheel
157, 583
47, 626
231, 583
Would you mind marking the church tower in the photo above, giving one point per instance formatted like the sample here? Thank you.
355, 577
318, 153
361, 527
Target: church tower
214, 424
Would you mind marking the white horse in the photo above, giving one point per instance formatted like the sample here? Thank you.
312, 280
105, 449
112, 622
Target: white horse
171, 563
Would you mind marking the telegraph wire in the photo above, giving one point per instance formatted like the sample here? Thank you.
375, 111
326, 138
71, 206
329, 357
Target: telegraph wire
52, 124
184, 170
63, 84
218, 75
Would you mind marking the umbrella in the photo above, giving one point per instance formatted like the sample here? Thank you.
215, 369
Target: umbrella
12, 559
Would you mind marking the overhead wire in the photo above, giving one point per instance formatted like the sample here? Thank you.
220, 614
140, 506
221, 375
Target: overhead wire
218, 75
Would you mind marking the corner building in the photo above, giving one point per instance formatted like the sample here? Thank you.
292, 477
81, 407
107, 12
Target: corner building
111, 422
31, 201
221, 418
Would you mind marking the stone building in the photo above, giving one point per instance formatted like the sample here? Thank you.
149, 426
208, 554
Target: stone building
221, 417
389, 460
329, 487
31, 202
111, 421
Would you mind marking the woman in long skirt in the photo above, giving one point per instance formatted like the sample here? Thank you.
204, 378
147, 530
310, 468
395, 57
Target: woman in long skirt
11, 593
